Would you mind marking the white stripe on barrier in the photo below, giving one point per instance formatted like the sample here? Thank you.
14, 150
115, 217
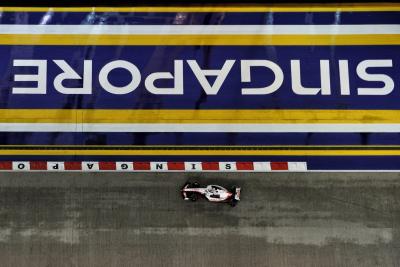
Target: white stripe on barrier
201, 29
204, 127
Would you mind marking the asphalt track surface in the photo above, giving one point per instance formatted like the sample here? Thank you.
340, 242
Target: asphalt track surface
139, 219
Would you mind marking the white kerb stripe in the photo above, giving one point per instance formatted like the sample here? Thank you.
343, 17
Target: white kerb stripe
262, 166
204, 127
124, 166
297, 166
55, 166
159, 166
90, 166
201, 29
193, 166
21, 166
227, 166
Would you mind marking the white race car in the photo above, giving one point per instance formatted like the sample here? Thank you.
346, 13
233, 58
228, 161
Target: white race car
213, 193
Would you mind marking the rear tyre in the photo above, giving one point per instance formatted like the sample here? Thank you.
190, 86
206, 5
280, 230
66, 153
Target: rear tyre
233, 203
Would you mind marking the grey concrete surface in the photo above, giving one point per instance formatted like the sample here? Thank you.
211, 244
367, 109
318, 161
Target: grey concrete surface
119, 219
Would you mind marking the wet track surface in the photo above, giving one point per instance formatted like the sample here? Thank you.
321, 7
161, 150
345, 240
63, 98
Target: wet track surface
116, 219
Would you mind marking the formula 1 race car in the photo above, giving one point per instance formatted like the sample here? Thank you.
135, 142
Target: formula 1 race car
213, 193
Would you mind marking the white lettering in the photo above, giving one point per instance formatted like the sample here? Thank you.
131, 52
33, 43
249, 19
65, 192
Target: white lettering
40, 77
246, 76
175, 79
344, 77
70, 74
325, 88
362, 73
201, 76
178, 81
105, 83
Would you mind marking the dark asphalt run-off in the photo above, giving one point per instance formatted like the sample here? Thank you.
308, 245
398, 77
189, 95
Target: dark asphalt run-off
140, 219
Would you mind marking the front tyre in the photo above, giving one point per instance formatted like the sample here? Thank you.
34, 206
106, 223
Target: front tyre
193, 197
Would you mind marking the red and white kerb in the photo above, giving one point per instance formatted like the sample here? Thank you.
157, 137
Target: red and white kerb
152, 166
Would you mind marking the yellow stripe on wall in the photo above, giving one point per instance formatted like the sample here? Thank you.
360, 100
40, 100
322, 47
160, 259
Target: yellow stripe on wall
356, 7
196, 116
194, 152
232, 39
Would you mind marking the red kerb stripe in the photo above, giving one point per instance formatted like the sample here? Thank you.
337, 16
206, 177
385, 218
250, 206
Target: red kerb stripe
244, 166
279, 166
73, 166
141, 166
38, 165
176, 166
107, 166
210, 166
5, 165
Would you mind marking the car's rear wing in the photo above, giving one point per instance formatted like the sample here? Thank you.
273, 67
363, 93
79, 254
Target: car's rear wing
237, 193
